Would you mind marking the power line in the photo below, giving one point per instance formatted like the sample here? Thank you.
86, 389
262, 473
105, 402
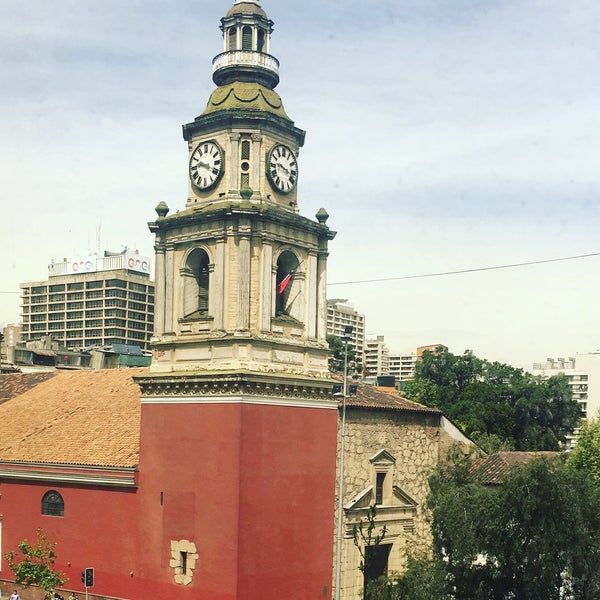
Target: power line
443, 273
479, 269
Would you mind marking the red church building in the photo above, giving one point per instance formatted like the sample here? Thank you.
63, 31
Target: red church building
212, 473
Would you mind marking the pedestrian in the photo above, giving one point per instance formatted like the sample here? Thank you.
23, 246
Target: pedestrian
15, 596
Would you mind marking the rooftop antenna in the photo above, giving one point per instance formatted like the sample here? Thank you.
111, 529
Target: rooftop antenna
98, 232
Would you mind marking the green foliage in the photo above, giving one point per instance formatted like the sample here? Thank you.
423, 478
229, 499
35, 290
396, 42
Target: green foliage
535, 536
337, 354
586, 455
424, 579
35, 567
499, 405
363, 535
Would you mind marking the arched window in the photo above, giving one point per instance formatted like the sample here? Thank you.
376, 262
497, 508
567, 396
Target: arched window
195, 284
53, 504
287, 265
232, 39
261, 40
247, 38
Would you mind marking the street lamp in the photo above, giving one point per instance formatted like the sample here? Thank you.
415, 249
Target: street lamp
338, 560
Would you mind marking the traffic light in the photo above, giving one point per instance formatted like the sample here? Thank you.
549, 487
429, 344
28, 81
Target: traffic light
87, 577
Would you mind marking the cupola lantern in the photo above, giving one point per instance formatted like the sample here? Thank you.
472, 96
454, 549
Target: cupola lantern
246, 35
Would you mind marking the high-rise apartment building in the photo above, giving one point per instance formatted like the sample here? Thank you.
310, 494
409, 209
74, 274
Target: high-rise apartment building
376, 361
583, 373
402, 366
341, 314
95, 300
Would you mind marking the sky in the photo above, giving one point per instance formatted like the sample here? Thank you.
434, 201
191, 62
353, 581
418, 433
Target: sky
442, 136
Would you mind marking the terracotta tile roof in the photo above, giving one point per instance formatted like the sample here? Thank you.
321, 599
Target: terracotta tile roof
371, 397
73, 417
13, 384
493, 469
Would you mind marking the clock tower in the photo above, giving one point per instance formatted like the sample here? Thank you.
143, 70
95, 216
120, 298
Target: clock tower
238, 420
240, 275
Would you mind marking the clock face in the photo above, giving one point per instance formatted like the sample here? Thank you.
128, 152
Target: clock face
206, 165
282, 168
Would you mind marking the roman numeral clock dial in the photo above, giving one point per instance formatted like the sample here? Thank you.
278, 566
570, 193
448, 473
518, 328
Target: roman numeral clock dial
282, 168
206, 165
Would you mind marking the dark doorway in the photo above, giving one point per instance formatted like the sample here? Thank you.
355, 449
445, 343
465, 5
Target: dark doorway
376, 563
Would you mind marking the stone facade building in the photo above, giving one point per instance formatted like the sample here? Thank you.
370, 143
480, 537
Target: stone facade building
392, 445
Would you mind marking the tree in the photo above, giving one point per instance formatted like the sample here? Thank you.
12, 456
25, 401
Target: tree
36, 567
586, 455
337, 348
424, 579
366, 538
534, 536
500, 405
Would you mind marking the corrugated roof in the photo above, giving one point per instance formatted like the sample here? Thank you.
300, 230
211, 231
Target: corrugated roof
493, 469
72, 417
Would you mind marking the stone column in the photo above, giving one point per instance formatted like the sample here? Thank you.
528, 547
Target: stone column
255, 172
159, 297
321, 303
217, 285
233, 162
310, 287
243, 319
266, 286
170, 284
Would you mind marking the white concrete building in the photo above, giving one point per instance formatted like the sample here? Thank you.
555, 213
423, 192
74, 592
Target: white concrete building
94, 300
583, 373
402, 366
376, 361
341, 314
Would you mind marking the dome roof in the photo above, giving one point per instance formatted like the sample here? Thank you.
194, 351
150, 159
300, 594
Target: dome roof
246, 7
245, 96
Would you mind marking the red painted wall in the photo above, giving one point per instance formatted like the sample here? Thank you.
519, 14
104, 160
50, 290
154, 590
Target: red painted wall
260, 481
97, 531
251, 485
190, 453
287, 502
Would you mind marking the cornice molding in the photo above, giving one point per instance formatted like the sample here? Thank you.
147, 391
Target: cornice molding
64, 473
240, 388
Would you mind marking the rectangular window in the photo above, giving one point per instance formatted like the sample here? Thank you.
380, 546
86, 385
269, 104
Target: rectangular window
184, 557
245, 150
116, 283
136, 296
137, 306
379, 488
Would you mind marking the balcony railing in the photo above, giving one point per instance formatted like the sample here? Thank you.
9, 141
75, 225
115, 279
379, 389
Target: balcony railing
246, 58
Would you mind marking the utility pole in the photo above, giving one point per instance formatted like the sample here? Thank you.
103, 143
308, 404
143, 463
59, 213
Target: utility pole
338, 561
